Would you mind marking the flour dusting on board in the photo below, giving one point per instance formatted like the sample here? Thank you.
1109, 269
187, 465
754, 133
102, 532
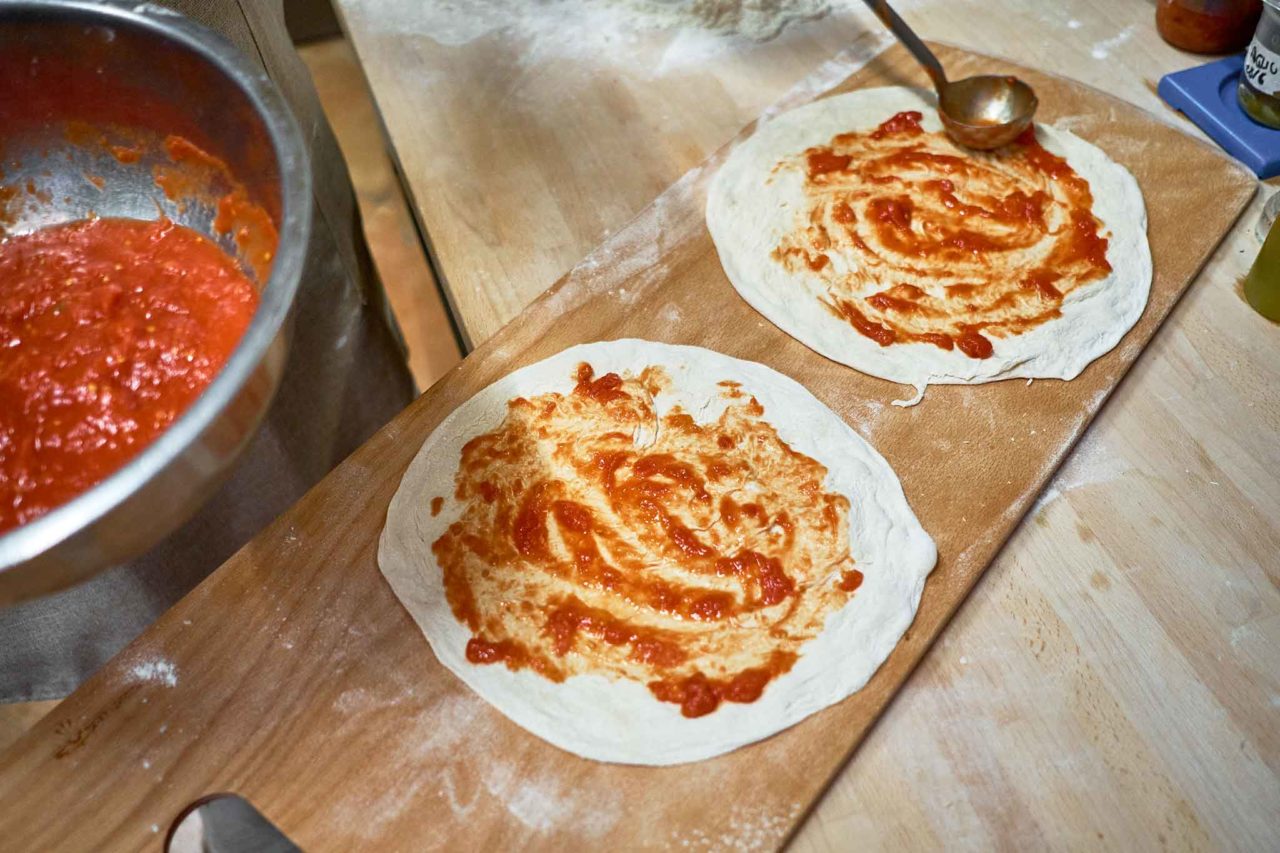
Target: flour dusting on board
631, 260
422, 750
1092, 462
748, 830
353, 701
544, 804
423, 764
156, 671
864, 415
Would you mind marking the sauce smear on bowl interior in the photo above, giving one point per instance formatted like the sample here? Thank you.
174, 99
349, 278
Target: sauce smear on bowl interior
109, 330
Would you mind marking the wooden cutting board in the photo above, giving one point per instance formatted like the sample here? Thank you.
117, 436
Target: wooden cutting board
293, 677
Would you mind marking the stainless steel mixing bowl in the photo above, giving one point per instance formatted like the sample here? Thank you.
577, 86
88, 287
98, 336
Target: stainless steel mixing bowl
75, 79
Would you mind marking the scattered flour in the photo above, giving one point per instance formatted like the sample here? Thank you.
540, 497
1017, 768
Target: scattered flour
449, 790
424, 763
536, 807
653, 36
354, 701
542, 804
1102, 49
425, 742
459, 22
1091, 463
833, 71
538, 800
158, 670
758, 20
865, 417
632, 256
747, 830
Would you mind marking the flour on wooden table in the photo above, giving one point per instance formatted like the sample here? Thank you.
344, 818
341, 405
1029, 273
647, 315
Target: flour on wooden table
457, 22
1102, 49
156, 670
652, 36
758, 20
1091, 463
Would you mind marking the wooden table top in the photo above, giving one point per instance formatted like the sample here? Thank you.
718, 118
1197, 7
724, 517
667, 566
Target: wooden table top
1114, 678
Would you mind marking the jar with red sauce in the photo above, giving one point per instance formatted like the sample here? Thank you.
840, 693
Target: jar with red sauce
1207, 26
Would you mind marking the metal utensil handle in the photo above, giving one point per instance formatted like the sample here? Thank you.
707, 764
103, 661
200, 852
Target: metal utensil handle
912, 42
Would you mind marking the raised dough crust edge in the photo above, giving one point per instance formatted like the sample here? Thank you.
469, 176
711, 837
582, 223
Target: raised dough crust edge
747, 219
620, 721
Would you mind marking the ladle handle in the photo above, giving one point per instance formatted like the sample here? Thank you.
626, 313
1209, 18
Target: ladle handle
911, 41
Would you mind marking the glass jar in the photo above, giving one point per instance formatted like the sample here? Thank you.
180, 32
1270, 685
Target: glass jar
1207, 26
1262, 284
1259, 90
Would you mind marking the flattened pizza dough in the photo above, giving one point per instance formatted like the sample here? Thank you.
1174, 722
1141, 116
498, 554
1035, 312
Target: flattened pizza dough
868, 236
654, 554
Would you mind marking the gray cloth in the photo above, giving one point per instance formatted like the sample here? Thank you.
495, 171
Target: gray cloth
346, 377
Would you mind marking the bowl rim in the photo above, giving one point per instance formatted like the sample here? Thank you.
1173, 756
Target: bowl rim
46, 532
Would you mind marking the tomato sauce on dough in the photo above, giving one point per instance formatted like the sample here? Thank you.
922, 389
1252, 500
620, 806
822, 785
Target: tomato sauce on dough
109, 330
920, 241
597, 536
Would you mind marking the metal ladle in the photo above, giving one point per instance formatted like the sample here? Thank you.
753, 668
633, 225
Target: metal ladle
981, 112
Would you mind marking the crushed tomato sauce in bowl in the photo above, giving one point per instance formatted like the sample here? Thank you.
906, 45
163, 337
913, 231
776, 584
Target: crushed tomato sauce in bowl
109, 330
135, 121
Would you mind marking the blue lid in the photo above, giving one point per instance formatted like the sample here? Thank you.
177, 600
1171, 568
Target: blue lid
1206, 94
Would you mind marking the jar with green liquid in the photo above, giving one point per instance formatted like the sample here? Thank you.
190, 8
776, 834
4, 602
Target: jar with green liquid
1259, 89
1262, 284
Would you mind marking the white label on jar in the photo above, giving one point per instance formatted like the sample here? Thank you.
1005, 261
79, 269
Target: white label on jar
1262, 68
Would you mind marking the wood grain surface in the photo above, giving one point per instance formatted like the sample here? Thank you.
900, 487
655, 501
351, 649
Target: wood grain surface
1151, 569
293, 677
523, 145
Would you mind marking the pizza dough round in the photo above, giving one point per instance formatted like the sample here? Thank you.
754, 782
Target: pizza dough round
620, 720
751, 206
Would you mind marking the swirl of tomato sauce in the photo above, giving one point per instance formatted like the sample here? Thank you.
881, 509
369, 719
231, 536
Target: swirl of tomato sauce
109, 329
697, 563
919, 241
